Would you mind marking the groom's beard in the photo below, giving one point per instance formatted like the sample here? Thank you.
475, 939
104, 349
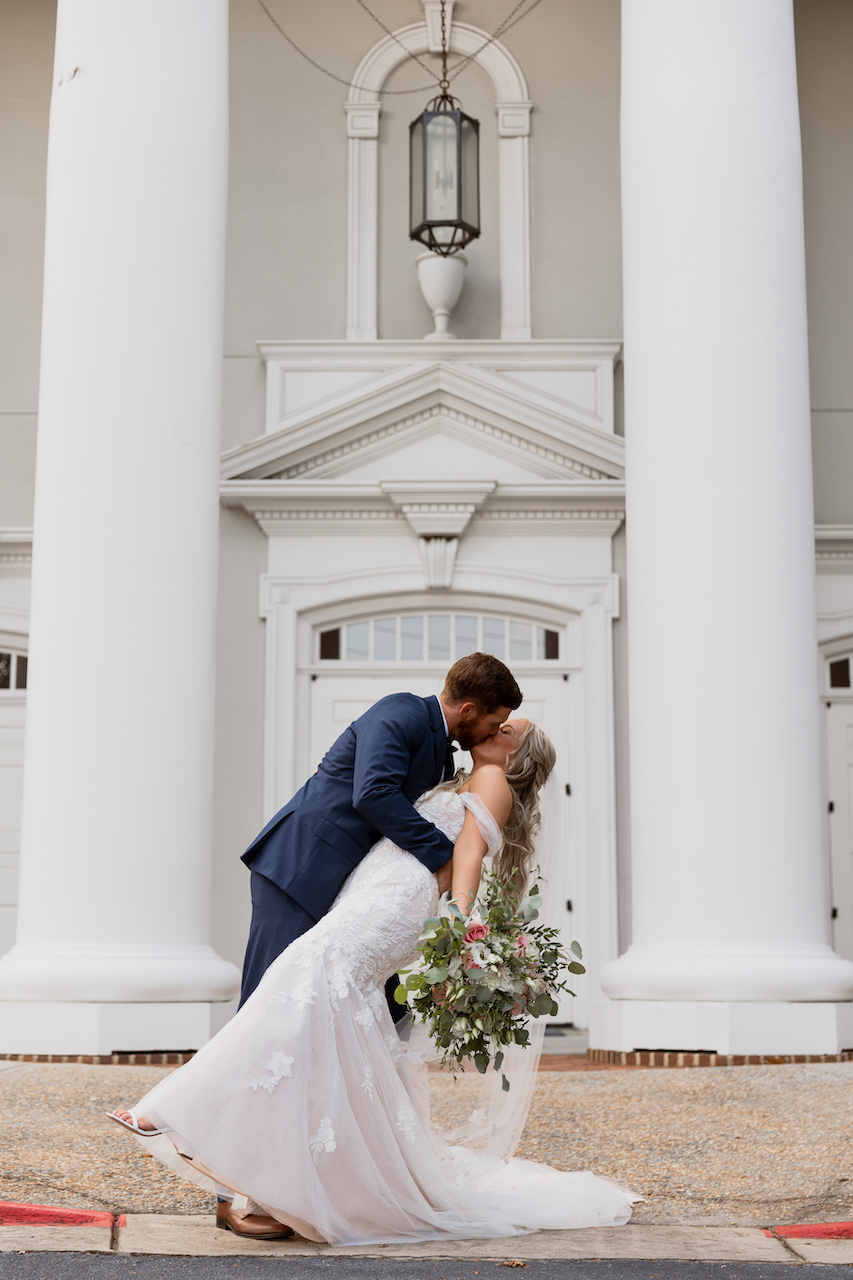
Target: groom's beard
468, 738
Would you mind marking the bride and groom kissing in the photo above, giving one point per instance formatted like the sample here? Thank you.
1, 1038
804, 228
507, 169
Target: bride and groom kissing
304, 1113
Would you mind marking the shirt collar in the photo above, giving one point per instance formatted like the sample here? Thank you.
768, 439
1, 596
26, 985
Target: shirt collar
443, 717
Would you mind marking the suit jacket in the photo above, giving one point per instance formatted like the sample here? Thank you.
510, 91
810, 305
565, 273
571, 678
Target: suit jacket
364, 788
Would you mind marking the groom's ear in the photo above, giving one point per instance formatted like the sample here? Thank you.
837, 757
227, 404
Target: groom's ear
468, 711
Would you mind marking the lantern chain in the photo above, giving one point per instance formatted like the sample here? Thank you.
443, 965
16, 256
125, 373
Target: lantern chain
444, 83
510, 21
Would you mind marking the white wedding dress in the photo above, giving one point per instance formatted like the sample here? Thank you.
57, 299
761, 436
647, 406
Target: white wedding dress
309, 1103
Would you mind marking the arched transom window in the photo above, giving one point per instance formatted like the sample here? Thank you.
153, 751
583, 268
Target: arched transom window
13, 670
838, 673
437, 637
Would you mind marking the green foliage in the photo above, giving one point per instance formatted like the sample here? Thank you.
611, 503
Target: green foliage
475, 994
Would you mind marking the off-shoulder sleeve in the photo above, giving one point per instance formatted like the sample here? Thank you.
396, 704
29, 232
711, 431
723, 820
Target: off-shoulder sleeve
489, 829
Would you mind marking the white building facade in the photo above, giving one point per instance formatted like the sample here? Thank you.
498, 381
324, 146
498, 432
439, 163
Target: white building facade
263, 499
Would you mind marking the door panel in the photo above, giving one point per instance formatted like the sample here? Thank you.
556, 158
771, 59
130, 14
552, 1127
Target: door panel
840, 778
337, 699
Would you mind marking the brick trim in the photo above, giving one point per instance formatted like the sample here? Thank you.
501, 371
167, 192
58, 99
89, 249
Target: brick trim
105, 1059
683, 1058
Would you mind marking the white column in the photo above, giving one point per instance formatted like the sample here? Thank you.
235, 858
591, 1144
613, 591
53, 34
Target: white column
730, 905
112, 948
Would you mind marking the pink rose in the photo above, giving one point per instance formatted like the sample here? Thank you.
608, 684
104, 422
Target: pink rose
439, 994
471, 963
521, 944
476, 933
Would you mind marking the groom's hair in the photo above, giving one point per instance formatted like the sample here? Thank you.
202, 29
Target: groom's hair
483, 680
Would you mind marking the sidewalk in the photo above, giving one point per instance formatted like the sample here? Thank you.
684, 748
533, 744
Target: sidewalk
167, 1235
720, 1154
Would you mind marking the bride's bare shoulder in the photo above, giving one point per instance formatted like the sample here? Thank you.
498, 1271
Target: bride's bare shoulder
490, 784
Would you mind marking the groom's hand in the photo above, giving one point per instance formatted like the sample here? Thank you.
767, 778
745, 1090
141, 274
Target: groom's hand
444, 876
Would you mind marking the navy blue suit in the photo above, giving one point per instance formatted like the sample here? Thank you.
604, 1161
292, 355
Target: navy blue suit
365, 788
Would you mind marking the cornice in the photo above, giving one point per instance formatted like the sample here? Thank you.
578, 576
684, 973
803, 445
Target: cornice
432, 508
310, 354
834, 548
16, 548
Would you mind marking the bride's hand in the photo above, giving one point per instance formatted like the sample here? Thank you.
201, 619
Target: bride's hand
444, 876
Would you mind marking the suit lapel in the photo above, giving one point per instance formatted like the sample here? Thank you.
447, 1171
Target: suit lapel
436, 723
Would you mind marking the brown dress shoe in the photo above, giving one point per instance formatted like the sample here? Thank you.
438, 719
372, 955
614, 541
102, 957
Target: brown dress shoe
255, 1226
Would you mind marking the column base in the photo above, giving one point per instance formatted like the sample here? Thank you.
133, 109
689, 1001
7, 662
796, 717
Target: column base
736, 1027
45, 1027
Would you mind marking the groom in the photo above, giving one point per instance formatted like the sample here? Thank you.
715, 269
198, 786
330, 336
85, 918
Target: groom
365, 788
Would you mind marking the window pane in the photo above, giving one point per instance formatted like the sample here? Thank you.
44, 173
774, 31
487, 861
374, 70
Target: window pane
439, 637
330, 643
385, 639
21, 672
493, 636
839, 674
358, 641
519, 640
412, 638
5, 670
466, 636
547, 644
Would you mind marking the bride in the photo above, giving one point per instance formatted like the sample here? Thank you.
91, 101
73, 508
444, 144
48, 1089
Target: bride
307, 1107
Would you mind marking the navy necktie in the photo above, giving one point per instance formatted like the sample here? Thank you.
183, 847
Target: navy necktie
449, 766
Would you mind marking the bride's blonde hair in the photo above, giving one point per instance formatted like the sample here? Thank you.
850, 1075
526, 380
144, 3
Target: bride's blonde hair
527, 773
531, 765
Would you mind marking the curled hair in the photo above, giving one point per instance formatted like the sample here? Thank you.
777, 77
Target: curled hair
484, 680
529, 770
527, 773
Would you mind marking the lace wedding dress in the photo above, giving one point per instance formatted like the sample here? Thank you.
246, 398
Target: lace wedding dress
309, 1103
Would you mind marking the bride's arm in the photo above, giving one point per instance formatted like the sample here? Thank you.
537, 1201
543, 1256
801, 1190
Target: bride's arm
490, 784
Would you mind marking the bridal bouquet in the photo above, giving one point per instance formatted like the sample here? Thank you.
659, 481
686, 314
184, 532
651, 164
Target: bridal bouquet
481, 978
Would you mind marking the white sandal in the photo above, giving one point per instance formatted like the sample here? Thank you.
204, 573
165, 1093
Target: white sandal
134, 1128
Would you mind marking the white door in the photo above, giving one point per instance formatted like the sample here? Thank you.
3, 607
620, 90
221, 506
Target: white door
337, 699
839, 718
11, 787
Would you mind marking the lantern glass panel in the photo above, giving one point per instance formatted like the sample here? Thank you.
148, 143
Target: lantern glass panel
416, 174
470, 146
442, 168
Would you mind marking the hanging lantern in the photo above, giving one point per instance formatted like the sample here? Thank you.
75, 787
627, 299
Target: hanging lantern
444, 169
444, 177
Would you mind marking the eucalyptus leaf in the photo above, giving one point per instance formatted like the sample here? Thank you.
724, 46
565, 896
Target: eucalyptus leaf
504, 1084
574, 967
401, 994
576, 948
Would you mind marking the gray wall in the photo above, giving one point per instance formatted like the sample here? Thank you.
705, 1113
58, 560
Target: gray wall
26, 62
825, 69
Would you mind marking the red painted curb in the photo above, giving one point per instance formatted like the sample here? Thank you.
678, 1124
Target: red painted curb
815, 1231
41, 1215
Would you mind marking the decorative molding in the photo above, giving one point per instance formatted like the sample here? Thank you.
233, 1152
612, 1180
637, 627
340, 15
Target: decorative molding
432, 508
437, 509
348, 382
510, 438
432, 14
513, 107
335, 353
16, 549
516, 417
834, 548
439, 557
514, 119
362, 119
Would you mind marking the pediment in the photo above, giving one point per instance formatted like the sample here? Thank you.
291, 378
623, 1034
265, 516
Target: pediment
435, 418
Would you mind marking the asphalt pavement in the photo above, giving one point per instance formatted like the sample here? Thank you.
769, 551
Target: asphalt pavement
77, 1266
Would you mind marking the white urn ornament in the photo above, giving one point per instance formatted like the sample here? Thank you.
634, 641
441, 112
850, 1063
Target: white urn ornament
441, 278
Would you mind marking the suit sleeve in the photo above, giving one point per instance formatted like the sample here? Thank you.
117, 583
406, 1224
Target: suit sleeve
384, 749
